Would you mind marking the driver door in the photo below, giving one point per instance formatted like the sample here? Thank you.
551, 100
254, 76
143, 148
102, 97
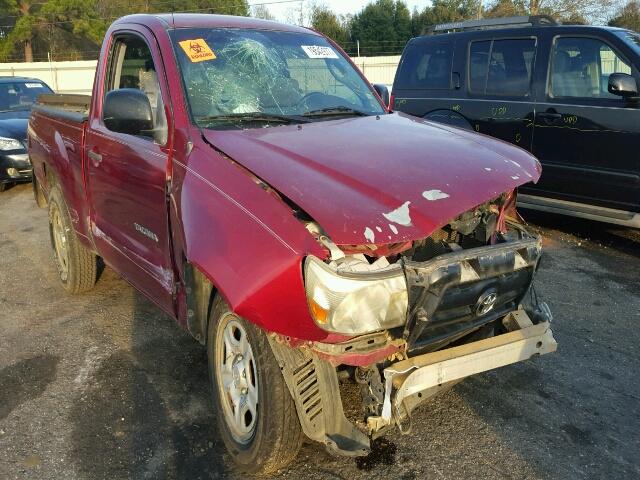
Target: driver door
127, 174
586, 137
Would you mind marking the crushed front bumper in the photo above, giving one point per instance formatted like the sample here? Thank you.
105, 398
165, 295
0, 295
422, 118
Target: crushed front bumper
410, 382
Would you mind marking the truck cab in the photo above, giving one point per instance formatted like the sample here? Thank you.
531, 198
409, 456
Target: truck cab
566, 93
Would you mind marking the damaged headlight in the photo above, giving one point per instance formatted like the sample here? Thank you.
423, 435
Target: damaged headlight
355, 303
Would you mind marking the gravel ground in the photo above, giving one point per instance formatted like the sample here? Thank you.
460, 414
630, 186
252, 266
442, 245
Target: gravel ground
104, 386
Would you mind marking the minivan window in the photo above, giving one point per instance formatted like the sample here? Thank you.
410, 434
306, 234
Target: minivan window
426, 66
581, 67
501, 67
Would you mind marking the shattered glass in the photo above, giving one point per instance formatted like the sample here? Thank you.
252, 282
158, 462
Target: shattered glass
268, 72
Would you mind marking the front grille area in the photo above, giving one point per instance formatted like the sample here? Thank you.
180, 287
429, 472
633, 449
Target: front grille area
449, 294
457, 311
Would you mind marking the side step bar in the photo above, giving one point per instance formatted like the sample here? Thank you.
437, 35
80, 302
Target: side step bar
581, 210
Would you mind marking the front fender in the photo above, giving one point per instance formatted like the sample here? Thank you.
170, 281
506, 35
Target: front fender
246, 242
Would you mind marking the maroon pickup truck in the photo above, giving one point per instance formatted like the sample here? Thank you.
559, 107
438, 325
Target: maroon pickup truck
245, 176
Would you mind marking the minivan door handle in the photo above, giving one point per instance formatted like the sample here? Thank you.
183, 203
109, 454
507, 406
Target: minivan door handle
550, 116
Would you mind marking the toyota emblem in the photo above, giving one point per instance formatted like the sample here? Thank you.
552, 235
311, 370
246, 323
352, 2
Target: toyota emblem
486, 302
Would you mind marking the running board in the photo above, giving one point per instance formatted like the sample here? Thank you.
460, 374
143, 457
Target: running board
581, 210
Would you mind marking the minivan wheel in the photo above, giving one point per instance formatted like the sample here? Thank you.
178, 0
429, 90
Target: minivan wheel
77, 266
256, 416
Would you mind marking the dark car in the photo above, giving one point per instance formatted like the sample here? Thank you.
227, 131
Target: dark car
566, 93
17, 94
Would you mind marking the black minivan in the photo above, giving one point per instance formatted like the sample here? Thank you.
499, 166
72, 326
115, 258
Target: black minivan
567, 93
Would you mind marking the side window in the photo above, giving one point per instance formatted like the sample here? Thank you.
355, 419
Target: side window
426, 65
580, 68
132, 67
501, 67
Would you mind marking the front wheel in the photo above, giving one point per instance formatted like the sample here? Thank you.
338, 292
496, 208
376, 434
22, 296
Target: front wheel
256, 416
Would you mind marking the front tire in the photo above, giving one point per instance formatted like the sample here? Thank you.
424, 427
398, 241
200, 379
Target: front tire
256, 415
77, 266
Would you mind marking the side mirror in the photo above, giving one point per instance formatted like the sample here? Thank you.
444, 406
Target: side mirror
623, 84
127, 110
383, 91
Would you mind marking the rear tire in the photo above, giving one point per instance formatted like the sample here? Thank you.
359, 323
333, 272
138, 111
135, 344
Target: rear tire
265, 434
77, 266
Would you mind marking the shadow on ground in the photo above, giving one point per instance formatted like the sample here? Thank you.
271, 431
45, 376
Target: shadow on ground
145, 412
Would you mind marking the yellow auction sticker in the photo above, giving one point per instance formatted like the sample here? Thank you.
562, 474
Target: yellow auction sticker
197, 50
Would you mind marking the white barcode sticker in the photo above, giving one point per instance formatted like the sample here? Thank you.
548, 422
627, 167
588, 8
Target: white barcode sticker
318, 51
33, 85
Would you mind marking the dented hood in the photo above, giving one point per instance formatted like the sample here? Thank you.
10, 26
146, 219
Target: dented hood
379, 180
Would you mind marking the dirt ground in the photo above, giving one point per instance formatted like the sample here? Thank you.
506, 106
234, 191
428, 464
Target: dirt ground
105, 386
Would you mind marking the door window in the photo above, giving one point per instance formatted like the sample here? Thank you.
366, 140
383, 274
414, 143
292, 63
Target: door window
501, 67
132, 67
426, 65
580, 67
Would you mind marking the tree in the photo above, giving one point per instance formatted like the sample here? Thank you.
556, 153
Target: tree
445, 11
382, 27
37, 22
261, 11
567, 11
325, 21
76, 27
628, 16
507, 8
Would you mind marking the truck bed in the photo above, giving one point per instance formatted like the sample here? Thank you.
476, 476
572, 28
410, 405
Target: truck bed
56, 136
63, 106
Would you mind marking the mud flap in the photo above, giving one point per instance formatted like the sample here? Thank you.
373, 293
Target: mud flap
313, 384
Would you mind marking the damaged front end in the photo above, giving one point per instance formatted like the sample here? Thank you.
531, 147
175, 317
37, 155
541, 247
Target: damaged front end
412, 320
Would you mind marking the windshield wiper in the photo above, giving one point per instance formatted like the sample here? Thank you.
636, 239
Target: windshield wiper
254, 117
335, 111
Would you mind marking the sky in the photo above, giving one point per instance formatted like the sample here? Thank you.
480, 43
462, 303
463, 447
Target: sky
280, 9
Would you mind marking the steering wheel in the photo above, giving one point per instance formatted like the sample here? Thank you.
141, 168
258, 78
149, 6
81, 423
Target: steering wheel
312, 97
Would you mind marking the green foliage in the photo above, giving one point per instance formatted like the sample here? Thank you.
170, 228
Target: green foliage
382, 27
325, 21
444, 11
73, 29
30, 27
628, 17
507, 8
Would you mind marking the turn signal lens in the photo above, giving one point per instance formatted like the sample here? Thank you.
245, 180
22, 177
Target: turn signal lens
320, 315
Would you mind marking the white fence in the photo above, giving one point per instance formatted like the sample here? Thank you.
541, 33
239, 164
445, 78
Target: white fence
77, 77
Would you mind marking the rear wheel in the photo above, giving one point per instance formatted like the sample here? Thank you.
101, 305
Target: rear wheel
256, 416
77, 266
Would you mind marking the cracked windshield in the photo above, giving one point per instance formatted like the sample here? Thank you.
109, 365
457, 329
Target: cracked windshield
258, 78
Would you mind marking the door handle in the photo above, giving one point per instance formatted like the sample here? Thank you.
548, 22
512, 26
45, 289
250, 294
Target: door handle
95, 157
550, 117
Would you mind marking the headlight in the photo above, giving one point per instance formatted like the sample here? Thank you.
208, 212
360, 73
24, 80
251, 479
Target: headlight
355, 303
10, 144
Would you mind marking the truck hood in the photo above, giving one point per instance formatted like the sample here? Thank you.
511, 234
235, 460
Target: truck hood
381, 179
